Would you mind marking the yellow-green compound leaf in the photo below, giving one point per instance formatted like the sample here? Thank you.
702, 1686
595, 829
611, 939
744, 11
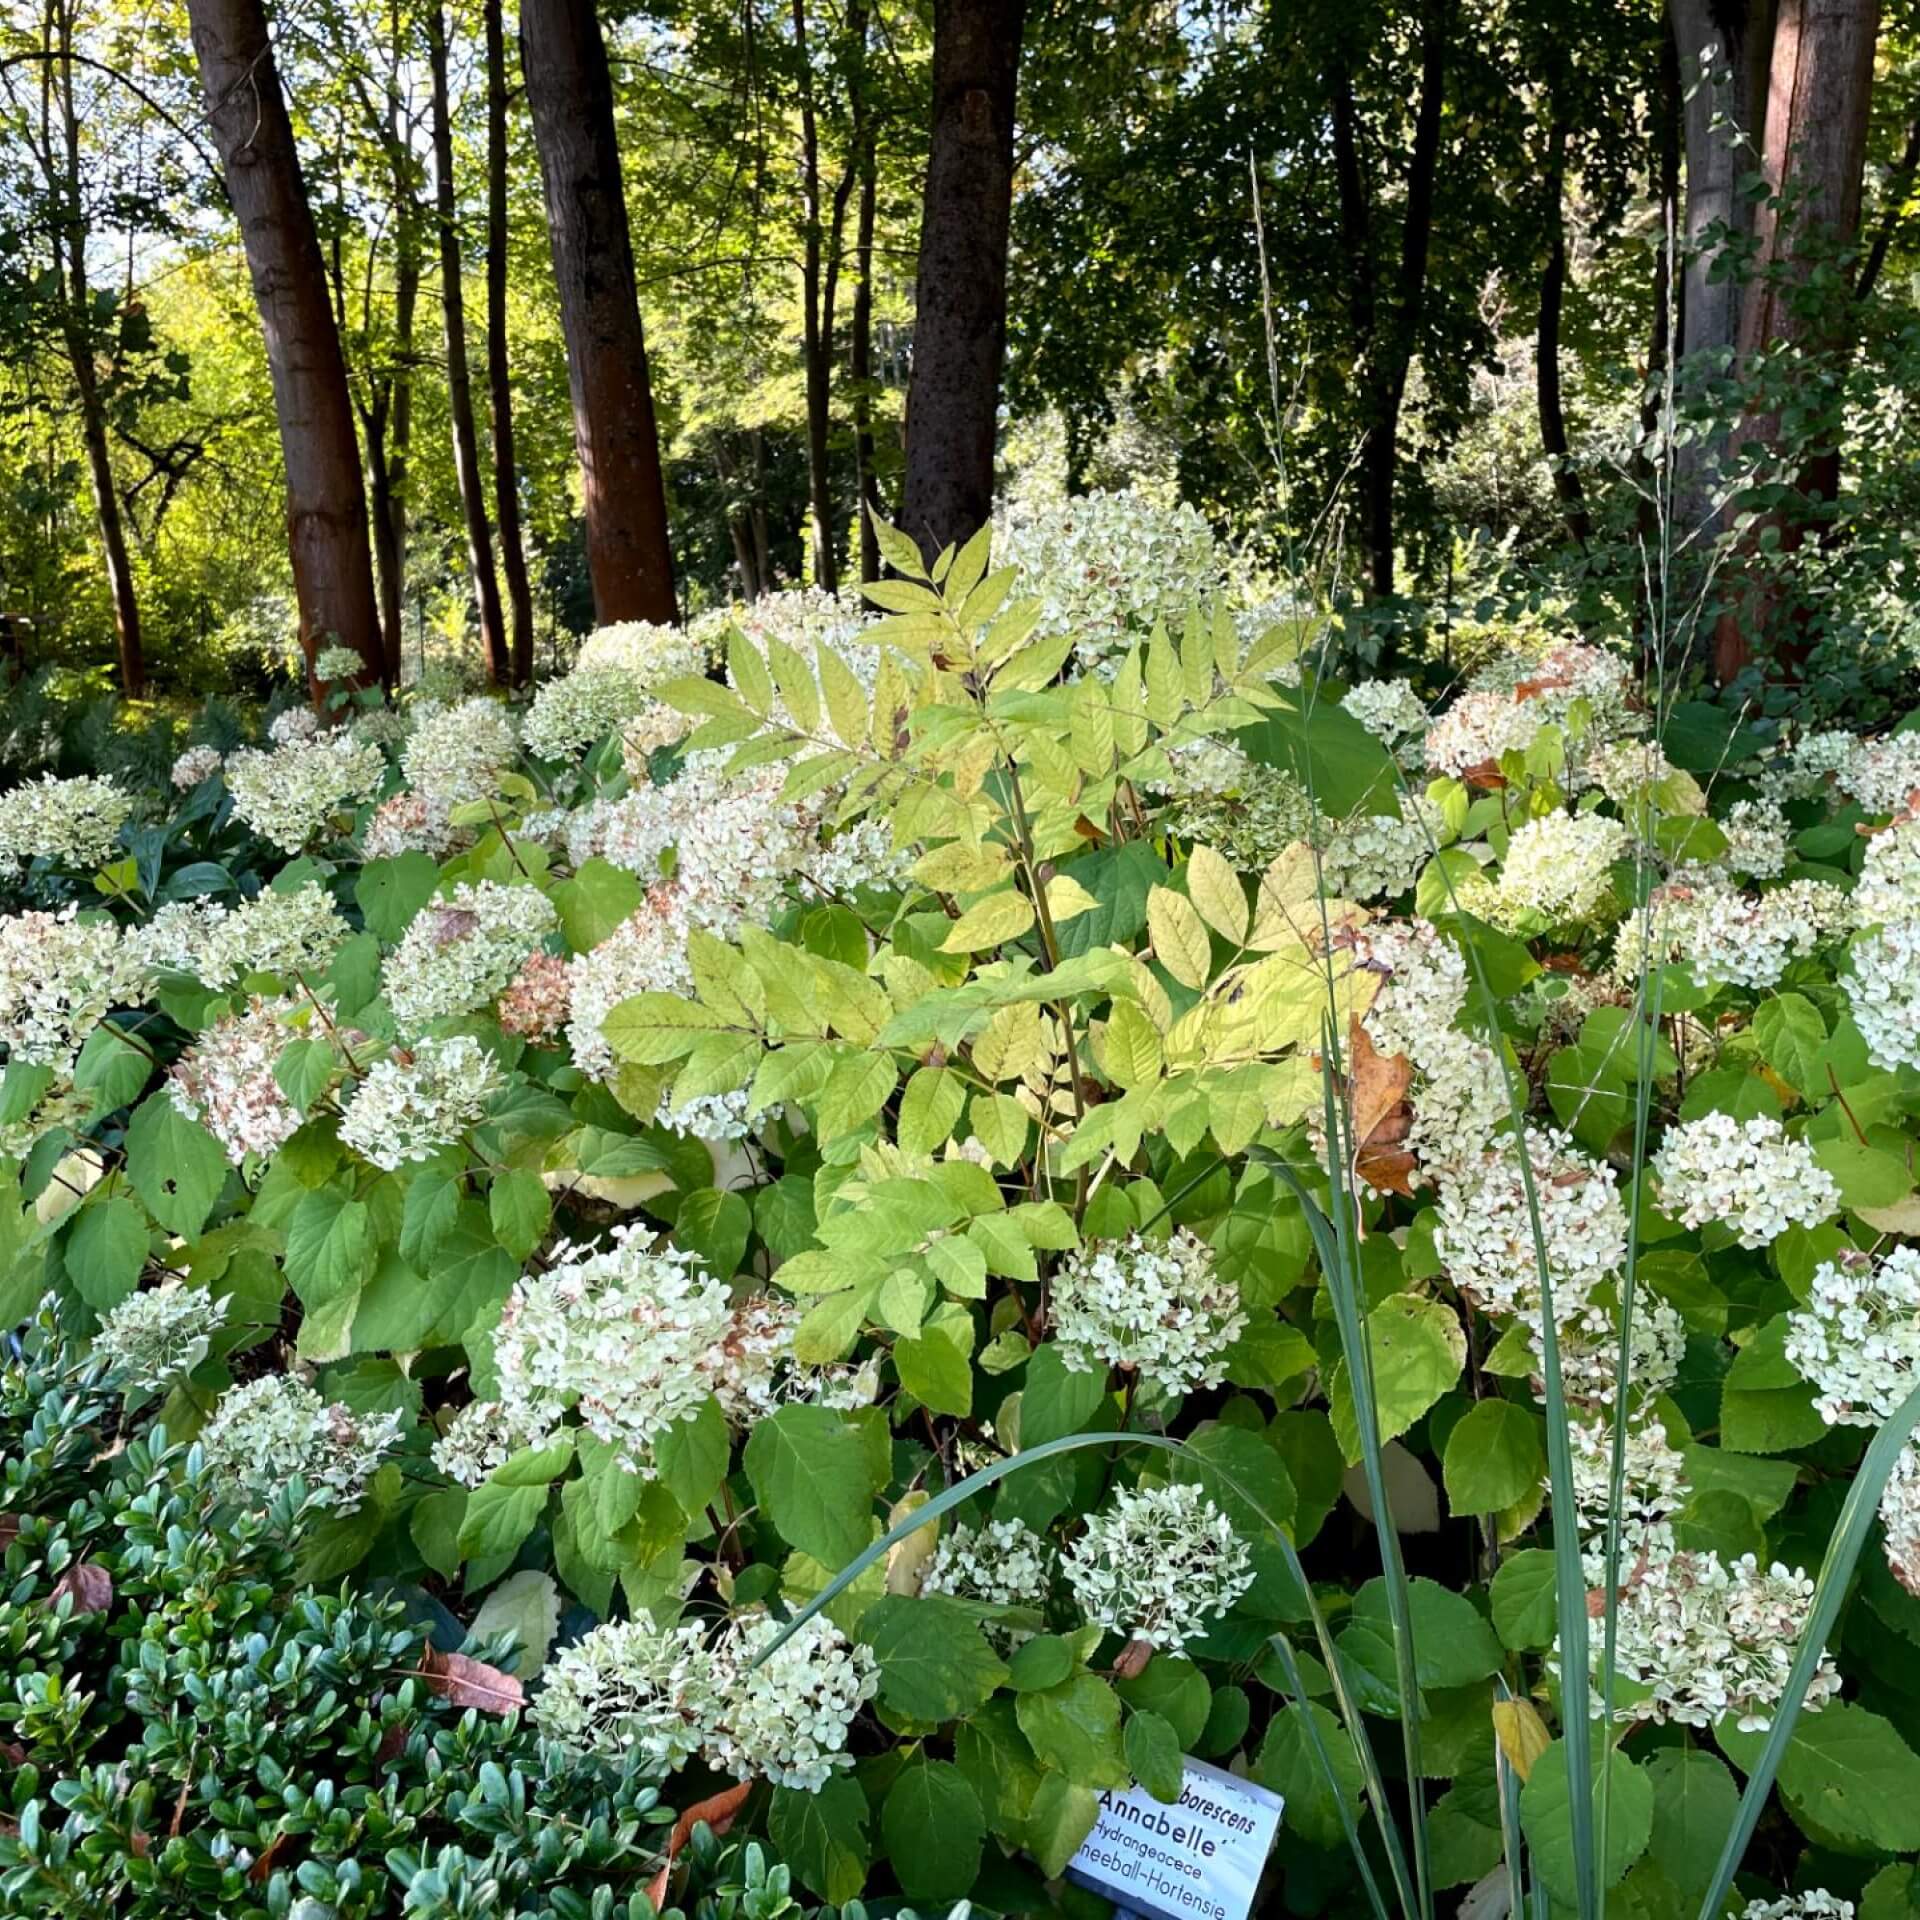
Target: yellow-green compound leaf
1131, 1050
1179, 936
1215, 889
991, 922
929, 1107
855, 1091
936, 1373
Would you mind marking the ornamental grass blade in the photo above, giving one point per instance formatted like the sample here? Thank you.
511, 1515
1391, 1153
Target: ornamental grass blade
1836, 1574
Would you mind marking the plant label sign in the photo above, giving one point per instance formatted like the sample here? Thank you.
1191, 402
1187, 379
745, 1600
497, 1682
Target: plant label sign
1197, 1860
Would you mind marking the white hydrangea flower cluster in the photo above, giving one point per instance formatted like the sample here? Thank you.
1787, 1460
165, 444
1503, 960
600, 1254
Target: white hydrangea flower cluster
462, 952
786, 1720
1372, 856
860, 856
410, 822
1726, 937
381, 727
1884, 775
1387, 708
295, 934
649, 652
58, 1105
1626, 771
631, 1688
569, 714
154, 1339
1813, 762
1883, 992
1815, 1904
646, 953
538, 998
1705, 1639
754, 1372
1558, 868
629, 1334
999, 1563
1888, 890
1157, 1565
276, 1429
802, 617
1249, 812
1858, 1337
1160, 1309
75, 823
486, 1434
1477, 731
291, 725
410, 1106
456, 755
1567, 676
225, 1080
1900, 1518
290, 795
1483, 1232
667, 1694
1709, 1640
59, 978
1748, 1175
1107, 566
337, 663
1459, 1093
195, 765
1758, 839
1590, 1351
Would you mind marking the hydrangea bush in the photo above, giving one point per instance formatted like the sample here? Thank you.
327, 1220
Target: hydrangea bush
1426, 1183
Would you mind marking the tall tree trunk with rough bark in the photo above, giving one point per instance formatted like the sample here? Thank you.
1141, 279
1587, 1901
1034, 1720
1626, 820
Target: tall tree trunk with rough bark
1819, 93
453, 306
816, 347
960, 295
1553, 287
571, 96
506, 474
326, 498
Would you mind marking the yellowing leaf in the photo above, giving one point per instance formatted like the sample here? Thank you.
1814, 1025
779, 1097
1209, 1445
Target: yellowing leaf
990, 923
1067, 897
1179, 935
1215, 889
1522, 1734
1131, 1050
962, 867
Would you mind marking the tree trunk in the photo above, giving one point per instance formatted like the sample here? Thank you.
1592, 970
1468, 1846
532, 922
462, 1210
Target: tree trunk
860, 374
1553, 282
70, 239
1717, 213
1818, 97
571, 97
326, 500
960, 295
1654, 483
453, 305
816, 325
506, 474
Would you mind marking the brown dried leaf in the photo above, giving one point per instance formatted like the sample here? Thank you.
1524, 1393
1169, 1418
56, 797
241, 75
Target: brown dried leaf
1377, 1087
1485, 773
468, 1682
265, 1861
88, 1586
718, 1811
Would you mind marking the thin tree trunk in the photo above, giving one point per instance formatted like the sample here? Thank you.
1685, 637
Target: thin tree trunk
1553, 282
326, 498
70, 268
506, 475
757, 516
571, 97
860, 374
1665, 172
1893, 200
816, 326
453, 305
960, 296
